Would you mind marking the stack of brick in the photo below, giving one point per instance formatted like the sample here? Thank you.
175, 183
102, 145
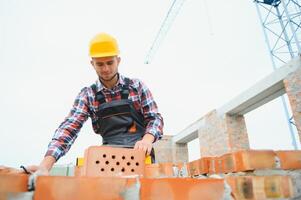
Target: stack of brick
245, 175
251, 174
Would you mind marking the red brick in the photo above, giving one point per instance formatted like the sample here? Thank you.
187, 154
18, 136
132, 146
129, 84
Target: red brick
228, 163
152, 171
159, 170
13, 182
182, 188
254, 159
109, 161
79, 188
198, 167
211, 163
289, 159
78, 171
260, 187
278, 187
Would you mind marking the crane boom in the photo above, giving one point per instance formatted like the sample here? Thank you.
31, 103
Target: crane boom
165, 26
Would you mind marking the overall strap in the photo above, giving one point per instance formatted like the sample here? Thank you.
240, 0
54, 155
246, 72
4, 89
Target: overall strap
98, 95
125, 89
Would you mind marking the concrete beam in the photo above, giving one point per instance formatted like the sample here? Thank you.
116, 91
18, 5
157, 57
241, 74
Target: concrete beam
262, 92
190, 133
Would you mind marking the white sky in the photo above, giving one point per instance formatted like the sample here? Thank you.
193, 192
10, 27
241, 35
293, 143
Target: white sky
208, 57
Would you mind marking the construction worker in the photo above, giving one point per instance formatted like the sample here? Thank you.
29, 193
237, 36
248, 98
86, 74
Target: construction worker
122, 110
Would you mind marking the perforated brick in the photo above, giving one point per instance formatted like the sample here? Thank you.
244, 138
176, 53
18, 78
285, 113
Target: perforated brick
111, 161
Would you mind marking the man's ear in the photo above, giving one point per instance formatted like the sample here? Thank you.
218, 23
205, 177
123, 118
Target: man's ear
118, 59
92, 63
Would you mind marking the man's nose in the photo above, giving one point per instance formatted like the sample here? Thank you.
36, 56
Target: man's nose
106, 67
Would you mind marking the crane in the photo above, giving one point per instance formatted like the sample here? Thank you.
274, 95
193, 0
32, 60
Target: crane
281, 23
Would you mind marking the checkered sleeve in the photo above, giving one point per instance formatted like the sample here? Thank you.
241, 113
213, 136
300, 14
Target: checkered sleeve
67, 132
153, 119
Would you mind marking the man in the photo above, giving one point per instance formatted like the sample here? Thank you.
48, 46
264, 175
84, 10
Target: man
122, 110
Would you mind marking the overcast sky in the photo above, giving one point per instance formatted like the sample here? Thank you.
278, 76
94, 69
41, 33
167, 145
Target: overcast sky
214, 51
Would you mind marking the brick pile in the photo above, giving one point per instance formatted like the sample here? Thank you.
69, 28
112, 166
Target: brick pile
246, 175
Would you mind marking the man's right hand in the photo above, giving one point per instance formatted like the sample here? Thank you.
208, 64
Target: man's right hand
39, 170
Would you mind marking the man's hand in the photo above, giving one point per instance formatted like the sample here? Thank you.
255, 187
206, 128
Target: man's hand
39, 170
146, 144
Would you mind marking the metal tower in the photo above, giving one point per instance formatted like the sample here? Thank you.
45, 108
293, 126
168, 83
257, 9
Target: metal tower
281, 23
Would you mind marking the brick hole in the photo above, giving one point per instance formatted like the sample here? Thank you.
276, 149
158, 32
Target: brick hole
123, 170
117, 163
97, 161
137, 164
132, 157
128, 163
107, 162
102, 169
113, 156
123, 157
104, 155
132, 170
112, 169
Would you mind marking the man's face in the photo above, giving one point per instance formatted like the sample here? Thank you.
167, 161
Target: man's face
106, 67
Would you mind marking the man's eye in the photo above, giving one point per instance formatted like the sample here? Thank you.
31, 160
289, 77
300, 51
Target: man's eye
110, 63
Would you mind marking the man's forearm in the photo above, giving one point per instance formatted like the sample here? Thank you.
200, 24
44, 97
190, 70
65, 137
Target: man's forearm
47, 162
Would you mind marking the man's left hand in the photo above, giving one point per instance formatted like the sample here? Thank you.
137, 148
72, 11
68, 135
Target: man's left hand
146, 144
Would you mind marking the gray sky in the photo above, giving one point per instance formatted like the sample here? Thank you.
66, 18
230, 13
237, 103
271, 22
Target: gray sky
208, 57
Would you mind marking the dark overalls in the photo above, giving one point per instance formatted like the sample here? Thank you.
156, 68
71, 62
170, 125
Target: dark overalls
118, 122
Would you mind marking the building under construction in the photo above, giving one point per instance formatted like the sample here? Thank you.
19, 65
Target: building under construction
228, 168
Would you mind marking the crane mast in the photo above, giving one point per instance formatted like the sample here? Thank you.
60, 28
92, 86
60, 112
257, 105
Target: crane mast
281, 23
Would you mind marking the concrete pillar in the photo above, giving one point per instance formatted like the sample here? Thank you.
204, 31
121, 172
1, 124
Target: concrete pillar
292, 84
166, 151
222, 134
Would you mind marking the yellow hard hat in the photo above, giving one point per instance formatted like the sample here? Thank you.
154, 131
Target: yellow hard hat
103, 45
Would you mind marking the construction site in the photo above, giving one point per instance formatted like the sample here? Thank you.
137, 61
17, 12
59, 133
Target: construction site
226, 166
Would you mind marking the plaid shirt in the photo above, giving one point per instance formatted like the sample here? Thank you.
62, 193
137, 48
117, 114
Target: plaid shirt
86, 106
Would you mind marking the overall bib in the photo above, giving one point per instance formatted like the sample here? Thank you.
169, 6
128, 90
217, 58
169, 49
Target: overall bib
118, 122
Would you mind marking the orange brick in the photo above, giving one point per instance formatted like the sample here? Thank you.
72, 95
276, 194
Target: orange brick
193, 168
254, 159
78, 170
182, 188
278, 187
167, 169
228, 163
13, 182
109, 161
212, 165
289, 159
159, 170
260, 187
198, 167
79, 188
242, 187
218, 165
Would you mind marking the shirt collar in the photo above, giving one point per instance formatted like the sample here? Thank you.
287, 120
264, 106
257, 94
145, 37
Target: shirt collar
100, 86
